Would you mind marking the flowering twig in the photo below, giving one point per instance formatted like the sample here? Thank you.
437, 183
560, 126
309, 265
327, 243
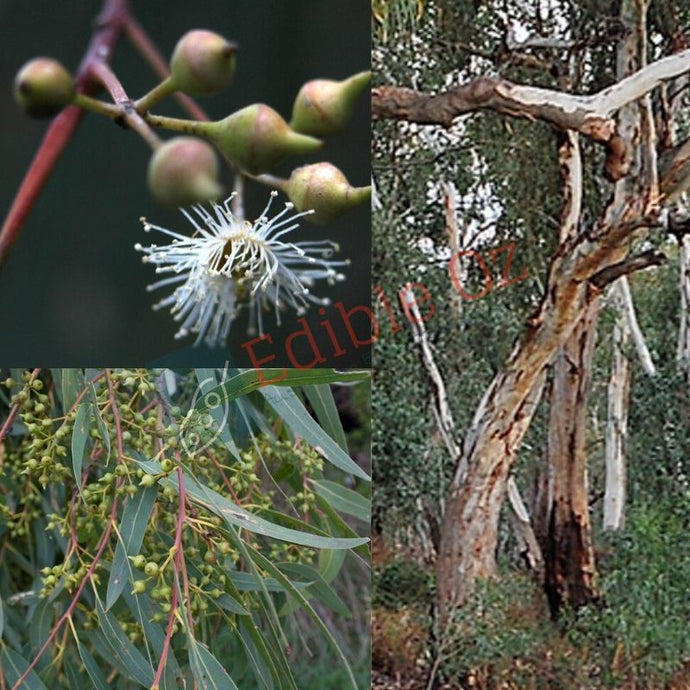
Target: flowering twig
180, 567
106, 32
75, 599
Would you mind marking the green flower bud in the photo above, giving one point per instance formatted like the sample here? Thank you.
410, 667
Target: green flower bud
151, 569
147, 480
202, 63
184, 171
167, 464
324, 107
43, 87
323, 188
257, 138
138, 561
139, 587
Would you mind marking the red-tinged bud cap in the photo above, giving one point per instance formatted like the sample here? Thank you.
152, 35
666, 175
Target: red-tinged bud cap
202, 63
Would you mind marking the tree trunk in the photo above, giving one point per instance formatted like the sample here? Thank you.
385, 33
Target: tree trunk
683, 353
617, 422
568, 553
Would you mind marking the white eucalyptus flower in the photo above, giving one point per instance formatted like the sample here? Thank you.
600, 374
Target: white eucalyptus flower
229, 263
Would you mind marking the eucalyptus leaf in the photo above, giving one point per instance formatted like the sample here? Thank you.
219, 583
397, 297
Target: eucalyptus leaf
125, 652
290, 409
135, 519
321, 399
318, 587
252, 379
270, 567
80, 434
239, 517
72, 383
343, 499
14, 666
105, 436
207, 670
92, 668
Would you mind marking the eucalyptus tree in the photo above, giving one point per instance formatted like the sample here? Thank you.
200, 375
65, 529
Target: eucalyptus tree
556, 122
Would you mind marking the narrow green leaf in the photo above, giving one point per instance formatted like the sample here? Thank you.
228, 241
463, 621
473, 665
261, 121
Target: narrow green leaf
208, 671
102, 428
338, 525
271, 568
41, 622
14, 665
257, 654
80, 434
330, 562
319, 588
135, 519
141, 606
252, 379
343, 499
2, 619
239, 517
72, 383
248, 582
321, 399
74, 677
92, 668
290, 409
220, 411
129, 656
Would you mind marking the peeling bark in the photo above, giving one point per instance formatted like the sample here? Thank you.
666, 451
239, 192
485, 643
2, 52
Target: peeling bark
568, 553
522, 525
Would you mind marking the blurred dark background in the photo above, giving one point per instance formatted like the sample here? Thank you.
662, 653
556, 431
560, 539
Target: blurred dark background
72, 291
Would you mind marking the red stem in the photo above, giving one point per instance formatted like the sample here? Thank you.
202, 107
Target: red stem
70, 609
179, 565
109, 24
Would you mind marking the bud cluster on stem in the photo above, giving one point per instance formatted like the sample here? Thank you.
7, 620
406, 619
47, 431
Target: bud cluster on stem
254, 139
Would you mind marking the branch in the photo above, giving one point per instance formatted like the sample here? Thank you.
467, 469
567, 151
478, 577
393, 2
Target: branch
589, 115
627, 308
563, 110
634, 263
106, 32
442, 411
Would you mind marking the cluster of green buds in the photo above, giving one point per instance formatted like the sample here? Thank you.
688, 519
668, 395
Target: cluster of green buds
254, 140
127, 421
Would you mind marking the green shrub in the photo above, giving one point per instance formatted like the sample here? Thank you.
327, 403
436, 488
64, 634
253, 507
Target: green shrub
403, 583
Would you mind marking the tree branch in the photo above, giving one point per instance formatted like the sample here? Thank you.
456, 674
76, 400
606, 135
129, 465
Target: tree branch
589, 115
634, 263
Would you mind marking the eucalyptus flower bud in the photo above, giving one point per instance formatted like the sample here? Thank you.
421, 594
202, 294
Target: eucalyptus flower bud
184, 171
257, 138
324, 107
43, 87
202, 63
325, 190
